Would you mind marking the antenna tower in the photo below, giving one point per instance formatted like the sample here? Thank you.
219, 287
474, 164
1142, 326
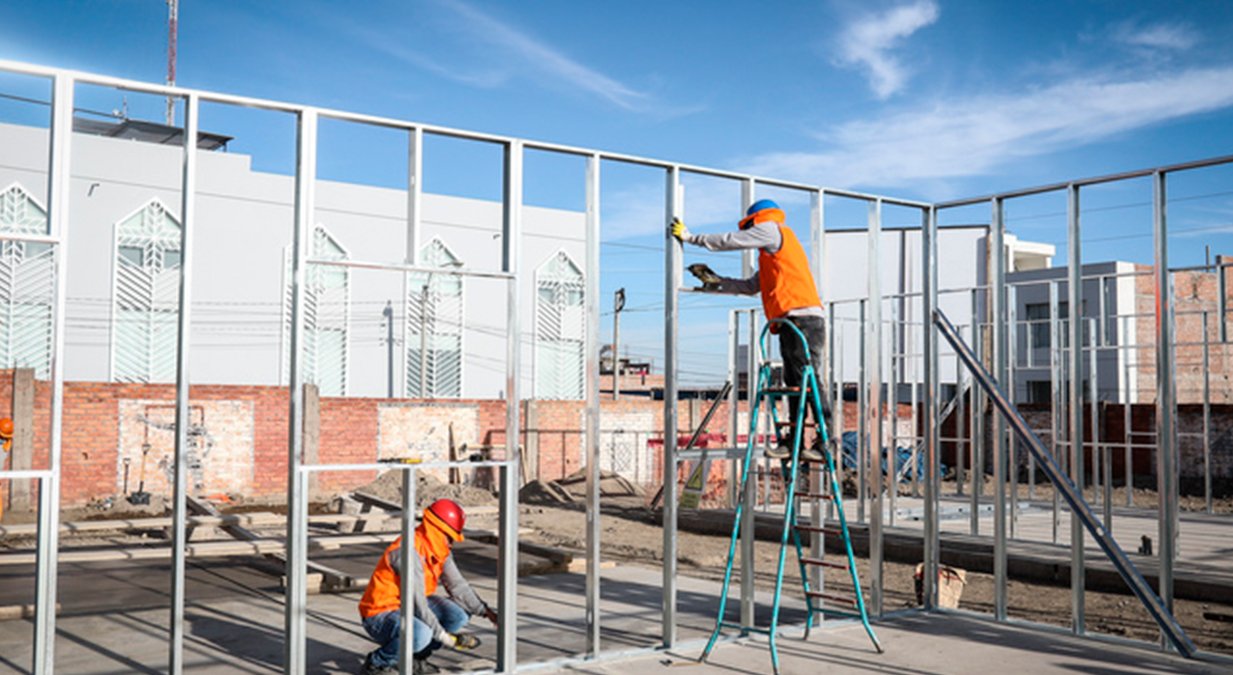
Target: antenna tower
172, 29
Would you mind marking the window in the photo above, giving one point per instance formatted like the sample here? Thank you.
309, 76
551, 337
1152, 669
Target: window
27, 285
1037, 315
327, 317
560, 329
1039, 391
433, 329
145, 295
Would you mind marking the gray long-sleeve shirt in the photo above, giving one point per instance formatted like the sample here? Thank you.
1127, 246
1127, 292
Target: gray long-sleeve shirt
455, 584
764, 235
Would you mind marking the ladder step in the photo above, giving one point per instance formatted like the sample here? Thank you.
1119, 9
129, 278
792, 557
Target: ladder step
813, 495
824, 563
836, 598
752, 629
780, 391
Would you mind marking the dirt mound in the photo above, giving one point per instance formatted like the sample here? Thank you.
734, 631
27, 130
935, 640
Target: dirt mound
428, 489
541, 492
610, 485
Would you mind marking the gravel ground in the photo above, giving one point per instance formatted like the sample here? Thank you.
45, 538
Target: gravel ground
628, 538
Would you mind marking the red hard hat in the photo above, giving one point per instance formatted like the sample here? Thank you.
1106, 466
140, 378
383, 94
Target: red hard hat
447, 515
6, 427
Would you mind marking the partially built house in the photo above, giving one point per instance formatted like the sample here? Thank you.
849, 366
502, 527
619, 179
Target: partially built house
235, 377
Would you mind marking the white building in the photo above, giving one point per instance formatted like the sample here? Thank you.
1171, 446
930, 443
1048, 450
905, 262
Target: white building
123, 279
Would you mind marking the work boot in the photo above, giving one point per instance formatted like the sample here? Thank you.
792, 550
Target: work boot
814, 452
371, 669
780, 450
420, 664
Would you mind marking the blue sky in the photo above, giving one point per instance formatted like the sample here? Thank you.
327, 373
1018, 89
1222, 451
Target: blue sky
921, 98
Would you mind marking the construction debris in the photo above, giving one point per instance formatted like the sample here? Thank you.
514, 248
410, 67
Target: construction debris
573, 489
611, 484
951, 581
542, 492
388, 487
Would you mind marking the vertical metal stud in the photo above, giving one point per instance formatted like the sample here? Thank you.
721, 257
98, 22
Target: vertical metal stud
507, 557
1055, 379
1075, 384
593, 410
1222, 298
997, 325
734, 401
962, 428
48, 547
929, 291
1128, 435
179, 539
295, 658
1207, 419
407, 589
862, 414
415, 194
892, 402
748, 532
874, 357
1012, 360
1166, 395
672, 285
817, 236
976, 424
1093, 393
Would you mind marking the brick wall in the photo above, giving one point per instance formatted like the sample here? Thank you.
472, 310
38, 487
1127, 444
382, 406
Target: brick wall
1194, 293
631, 435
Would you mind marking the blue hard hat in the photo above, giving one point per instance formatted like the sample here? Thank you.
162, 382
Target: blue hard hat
761, 205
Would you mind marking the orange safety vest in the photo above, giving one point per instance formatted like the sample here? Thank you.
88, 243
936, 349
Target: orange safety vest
784, 278
384, 593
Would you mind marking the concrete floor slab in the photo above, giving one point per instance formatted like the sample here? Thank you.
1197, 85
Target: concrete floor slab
237, 628
917, 644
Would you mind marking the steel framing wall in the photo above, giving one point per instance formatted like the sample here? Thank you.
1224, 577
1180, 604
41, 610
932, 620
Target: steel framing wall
874, 347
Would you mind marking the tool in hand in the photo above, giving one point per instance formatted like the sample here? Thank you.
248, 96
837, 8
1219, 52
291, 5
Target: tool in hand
710, 280
466, 641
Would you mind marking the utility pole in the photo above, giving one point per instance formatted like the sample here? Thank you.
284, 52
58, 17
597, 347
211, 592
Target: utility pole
172, 29
618, 304
388, 313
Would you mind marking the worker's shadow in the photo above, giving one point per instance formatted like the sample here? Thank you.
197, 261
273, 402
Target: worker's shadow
254, 643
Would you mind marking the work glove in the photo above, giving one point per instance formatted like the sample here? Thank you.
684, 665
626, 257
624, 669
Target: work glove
678, 230
491, 616
466, 642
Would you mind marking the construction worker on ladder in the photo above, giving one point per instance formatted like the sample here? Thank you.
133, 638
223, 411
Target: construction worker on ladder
788, 292
437, 619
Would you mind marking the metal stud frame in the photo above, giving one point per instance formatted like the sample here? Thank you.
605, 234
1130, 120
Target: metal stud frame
873, 408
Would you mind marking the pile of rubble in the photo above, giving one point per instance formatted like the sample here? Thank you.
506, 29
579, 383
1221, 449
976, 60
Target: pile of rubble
428, 489
572, 489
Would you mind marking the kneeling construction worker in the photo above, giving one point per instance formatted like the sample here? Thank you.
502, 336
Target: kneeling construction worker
438, 619
788, 292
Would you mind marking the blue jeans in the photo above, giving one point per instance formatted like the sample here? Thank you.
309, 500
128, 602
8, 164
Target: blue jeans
383, 629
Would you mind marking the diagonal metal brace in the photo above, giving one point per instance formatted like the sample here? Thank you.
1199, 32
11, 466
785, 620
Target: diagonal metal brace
1078, 506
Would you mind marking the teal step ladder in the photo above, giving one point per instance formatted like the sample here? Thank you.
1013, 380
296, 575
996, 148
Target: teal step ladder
808, 395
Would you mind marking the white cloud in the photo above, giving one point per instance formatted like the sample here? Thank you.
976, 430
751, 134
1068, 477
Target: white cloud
868, 42
545, 59
971, 135
1161, 36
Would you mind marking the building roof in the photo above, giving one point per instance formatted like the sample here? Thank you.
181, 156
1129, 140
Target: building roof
149, 132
